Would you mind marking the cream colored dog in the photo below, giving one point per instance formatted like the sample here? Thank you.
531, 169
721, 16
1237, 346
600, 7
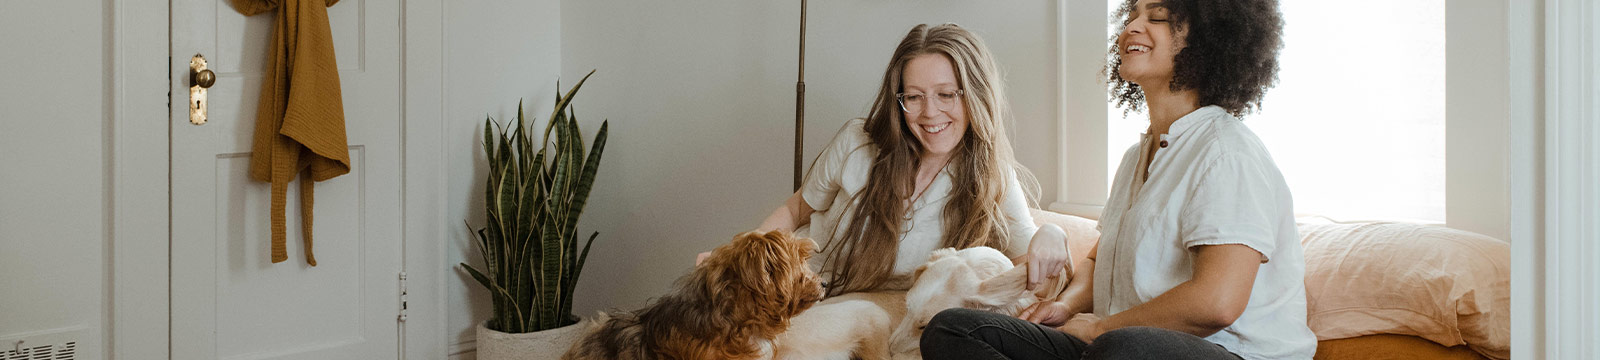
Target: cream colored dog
857, 325
854, 325
979, 278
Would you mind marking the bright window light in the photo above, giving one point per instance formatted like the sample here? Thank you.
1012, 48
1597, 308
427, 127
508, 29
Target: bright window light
1356, 122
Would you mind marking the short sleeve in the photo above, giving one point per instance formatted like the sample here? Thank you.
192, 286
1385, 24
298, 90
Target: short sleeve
827, 172
1236, 200
1019, 220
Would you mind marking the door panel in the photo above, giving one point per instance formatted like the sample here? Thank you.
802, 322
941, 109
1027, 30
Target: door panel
228, 300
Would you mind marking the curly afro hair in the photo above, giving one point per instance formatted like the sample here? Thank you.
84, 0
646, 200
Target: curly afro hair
1230, 56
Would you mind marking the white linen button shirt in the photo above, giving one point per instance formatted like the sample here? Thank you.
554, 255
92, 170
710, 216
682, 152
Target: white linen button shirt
1212, 184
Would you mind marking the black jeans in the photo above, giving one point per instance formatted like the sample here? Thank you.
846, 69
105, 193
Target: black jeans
972, 334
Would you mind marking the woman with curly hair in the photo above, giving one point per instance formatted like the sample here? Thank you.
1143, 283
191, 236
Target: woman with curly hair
1198, 257
929, 167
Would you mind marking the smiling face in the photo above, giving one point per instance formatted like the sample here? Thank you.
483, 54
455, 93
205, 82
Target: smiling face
1148, 44
939, 131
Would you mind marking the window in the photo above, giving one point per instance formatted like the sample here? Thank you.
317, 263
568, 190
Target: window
1357, 120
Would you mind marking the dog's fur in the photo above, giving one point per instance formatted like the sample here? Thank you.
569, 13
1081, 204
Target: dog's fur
979, 278
854, 324
730, 307
857, 325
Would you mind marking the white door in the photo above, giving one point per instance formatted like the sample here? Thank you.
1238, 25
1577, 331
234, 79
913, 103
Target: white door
228, 300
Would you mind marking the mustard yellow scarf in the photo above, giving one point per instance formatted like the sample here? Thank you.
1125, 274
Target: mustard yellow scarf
300, 119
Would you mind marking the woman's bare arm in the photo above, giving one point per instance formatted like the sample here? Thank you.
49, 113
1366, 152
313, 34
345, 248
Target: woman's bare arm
794, 213
1211, 301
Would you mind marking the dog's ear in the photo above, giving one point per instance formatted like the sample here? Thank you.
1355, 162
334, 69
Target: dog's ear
786, 253
805, 246
759, 255
932, 257
917, 274
990, 266
1004, 289
800, 248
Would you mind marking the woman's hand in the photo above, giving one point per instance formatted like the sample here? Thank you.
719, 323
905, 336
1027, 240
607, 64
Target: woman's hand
1084, 326
1048, 255
701, 258
1047, 313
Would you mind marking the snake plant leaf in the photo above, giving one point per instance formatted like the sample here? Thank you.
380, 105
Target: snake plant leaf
502, 150
492, 243
484, 280
551, 279
562, 101
514, 321
553, 255
563, 173
580, 196
585, 183
488, 139
574, 158
488, 150
522, 220
524, 146
505, 201
489, 257
571, 282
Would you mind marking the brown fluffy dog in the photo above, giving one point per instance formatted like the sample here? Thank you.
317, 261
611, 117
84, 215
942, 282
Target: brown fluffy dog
730, 307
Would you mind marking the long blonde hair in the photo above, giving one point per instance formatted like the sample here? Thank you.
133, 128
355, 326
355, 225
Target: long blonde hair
864, 257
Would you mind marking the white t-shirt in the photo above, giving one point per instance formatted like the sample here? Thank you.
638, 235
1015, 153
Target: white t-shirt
1212, 184
840, 173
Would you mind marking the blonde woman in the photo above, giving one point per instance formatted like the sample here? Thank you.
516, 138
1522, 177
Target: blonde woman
930, 167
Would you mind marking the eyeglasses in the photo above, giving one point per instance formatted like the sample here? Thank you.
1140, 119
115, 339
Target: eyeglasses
914, 102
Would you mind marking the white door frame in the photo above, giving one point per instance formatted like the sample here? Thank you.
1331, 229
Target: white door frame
140, 161
425, 181
1570, 318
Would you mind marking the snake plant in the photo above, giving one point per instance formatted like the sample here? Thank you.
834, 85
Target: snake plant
533, 198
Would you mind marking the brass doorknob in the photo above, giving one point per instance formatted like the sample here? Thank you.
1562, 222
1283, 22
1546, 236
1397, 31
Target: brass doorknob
205, 78
200, 78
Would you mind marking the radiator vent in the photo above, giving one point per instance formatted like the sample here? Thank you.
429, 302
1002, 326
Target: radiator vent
67, 351
57, 344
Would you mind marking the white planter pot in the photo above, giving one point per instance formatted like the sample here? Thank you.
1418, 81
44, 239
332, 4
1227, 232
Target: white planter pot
538, 345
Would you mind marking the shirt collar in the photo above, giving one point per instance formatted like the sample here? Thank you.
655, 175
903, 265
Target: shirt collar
1190, 121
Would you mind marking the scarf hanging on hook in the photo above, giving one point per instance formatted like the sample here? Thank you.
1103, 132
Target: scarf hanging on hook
300, 120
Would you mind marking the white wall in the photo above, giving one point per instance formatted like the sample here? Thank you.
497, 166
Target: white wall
495, 53
54, 206
700, 95
1478, 113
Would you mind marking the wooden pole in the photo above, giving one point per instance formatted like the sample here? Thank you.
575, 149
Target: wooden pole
800, 101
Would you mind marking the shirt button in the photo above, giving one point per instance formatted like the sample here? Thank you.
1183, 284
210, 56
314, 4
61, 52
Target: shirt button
1163, 143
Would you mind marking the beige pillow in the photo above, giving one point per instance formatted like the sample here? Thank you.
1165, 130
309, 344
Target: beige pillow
1449, 286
